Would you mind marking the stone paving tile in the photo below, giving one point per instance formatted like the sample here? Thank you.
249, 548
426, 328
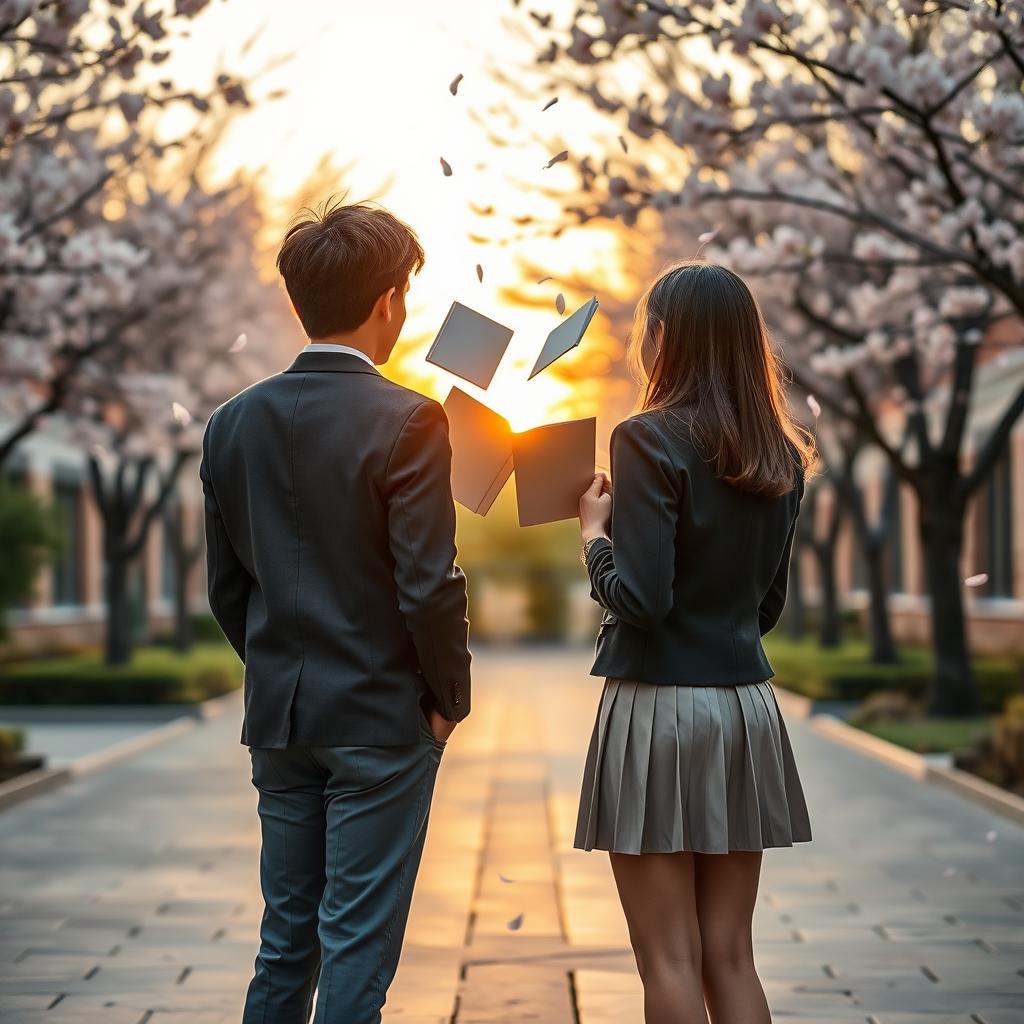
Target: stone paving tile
131, 895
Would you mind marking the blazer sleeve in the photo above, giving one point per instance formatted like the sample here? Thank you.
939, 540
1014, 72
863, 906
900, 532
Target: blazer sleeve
228, 581
421, 527
632, 574
770, 610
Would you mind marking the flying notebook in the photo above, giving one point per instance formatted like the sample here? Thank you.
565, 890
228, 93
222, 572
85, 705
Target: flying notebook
470, 345
565, 337
554, 465
481, 443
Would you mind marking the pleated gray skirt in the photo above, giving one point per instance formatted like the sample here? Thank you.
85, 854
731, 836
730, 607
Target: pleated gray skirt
708, 769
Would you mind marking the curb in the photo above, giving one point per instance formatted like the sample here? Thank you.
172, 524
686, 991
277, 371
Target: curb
894, 756
924, 769
43, 780
981, 792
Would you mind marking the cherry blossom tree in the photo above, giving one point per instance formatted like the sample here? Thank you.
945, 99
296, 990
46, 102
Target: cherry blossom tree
876, 145
89, 194
141, 408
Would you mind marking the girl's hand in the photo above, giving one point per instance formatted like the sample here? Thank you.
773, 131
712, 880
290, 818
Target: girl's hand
596, 508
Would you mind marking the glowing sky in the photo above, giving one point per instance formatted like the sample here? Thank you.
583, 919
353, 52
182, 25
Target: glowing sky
367, 83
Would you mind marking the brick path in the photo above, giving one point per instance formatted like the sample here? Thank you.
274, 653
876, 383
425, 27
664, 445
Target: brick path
131, 896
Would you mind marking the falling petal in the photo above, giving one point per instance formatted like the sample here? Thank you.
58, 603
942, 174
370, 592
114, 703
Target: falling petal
516, 923
560, 302
453, 87
506, 879
181, 414
991, 835
949, 873
550, 103
707, 236
446, 168
814, 406
623, 144
557, 159
978, 580
480, 273
239, 343
543, 279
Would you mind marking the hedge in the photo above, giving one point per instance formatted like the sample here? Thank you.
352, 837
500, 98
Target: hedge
156, 675
847, 673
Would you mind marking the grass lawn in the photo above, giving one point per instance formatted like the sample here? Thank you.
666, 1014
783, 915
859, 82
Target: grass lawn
846, 672
155, 675
932, 735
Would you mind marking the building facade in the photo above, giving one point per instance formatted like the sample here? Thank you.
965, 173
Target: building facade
66, 608
993, 533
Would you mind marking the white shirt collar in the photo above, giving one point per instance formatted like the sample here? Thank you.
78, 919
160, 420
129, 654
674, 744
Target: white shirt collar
315, 346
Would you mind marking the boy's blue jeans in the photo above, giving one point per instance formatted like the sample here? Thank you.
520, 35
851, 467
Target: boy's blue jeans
343, 831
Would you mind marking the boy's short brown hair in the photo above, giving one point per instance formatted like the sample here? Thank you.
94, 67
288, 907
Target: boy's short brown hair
338, 260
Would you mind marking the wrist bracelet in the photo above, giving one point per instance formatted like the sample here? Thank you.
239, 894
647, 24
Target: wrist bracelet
585, 554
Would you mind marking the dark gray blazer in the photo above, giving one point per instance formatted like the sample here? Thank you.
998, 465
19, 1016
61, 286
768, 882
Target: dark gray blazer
330, 544
696, 570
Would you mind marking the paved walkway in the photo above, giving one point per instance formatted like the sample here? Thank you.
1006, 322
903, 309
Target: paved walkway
131, 895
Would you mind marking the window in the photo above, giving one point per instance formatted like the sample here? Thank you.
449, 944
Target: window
67, 567
993, 524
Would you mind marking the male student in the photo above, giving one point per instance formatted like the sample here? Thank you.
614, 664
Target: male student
330, 532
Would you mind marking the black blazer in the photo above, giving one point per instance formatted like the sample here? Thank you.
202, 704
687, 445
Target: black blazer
696, 570
330, 544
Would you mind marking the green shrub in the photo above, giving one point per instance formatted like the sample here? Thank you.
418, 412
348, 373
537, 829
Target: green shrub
847, 672
205, 629
12, 740
29, 537
1008, 739
998, 756
884, 706
156, 675
932, 735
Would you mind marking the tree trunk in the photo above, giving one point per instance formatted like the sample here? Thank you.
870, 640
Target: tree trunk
796, 606
118, 624
184, 558
182, 621
829, 631
953, 691
883, 648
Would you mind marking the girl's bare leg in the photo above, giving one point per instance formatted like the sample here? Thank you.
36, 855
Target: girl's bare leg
657, 895
726, 888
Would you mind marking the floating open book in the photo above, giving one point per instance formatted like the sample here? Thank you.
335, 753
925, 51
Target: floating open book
565, 337
470, 345
554, 464
481, 443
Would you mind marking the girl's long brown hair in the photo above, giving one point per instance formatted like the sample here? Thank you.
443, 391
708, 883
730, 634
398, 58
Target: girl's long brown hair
700, 342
